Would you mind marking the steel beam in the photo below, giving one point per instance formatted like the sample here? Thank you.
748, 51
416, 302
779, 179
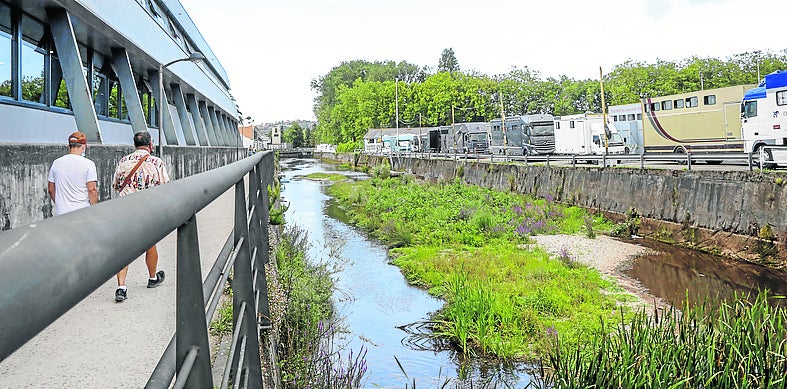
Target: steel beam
199, 124
170, 138
203, 111
185, 123
79, 92
216, 128
129, 89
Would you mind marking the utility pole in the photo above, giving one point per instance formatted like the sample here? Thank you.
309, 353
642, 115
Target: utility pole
603, 110
503, 124
453, 128
397, 115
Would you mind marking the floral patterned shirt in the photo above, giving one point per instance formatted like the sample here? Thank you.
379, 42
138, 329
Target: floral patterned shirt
148, 175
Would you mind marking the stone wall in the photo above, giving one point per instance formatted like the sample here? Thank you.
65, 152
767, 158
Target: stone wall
24, 169
720, 211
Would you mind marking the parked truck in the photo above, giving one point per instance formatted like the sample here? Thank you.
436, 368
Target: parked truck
764, 118
585, 134
523, 135
706, 121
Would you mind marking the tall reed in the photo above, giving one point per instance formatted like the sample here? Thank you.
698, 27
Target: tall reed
739, 344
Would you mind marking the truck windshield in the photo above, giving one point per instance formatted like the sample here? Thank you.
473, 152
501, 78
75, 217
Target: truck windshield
616, 138
477, 137
543, 129
749, 109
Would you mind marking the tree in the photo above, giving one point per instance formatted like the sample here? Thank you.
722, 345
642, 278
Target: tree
448, 62
294, 135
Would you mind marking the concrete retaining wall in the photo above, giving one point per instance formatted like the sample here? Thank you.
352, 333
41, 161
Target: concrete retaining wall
719, 211
24, 169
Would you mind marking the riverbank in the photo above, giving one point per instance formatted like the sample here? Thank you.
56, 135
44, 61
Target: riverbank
610, 256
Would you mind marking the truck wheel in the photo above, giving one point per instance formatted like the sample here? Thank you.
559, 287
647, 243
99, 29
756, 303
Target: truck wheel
680, 150
759, 150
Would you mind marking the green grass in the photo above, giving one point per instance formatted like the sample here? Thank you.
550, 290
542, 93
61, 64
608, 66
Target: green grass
326, 176
469, 245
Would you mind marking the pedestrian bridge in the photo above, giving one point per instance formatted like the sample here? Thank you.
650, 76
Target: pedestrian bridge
60, 326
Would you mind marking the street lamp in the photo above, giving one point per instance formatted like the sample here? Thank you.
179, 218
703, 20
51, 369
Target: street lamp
194, 57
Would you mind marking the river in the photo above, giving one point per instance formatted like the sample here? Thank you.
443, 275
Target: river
376, 301
379, 306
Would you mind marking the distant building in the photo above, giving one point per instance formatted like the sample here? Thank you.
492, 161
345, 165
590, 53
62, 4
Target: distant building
276, 135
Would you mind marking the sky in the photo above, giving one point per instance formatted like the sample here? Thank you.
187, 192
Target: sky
273, 50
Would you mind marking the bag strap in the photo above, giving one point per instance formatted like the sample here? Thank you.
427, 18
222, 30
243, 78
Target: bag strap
131, 173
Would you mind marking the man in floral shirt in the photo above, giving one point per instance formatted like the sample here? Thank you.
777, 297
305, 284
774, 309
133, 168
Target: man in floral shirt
138, 171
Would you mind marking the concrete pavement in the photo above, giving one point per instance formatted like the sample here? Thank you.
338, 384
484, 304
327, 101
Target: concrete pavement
103, 344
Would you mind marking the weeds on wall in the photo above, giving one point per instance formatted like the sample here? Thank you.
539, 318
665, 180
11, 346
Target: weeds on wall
276, 209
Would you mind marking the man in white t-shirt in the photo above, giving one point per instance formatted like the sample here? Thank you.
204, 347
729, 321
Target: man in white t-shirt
73, 178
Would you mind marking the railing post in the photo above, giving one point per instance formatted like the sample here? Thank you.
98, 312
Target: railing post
258, 231
688, 160
242, 290
642, 161
191, 330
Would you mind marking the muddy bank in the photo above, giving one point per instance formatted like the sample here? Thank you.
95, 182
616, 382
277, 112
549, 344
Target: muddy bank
609, 256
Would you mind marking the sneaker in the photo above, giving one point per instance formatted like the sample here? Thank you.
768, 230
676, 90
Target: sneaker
120, 295
159, 280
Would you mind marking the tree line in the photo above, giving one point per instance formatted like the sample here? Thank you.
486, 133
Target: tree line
358, 95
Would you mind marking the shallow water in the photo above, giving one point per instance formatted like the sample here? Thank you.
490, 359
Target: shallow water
377, 303
675, 274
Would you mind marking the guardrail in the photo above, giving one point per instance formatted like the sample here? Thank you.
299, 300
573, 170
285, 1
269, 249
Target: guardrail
42, 276
752, 160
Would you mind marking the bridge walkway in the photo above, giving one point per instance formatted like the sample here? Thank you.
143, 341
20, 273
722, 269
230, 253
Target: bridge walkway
103, 344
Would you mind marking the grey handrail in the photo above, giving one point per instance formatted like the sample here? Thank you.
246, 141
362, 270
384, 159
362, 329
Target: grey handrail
48, 267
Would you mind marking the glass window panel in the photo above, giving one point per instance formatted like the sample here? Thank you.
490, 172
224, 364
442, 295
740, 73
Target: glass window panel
5, 51
631, 117
83, 56
98, 61
781, 97
57, 84
710, 100
32, 30
679, 103
114, 101
100, 91
5, 58
666, 105
32, 61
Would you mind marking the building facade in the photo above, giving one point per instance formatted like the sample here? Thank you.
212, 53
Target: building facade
95, 65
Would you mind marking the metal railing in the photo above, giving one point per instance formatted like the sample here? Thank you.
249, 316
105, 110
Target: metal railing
42, 276
687, 160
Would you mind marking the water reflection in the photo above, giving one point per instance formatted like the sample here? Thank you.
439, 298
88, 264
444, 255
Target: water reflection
675, 274
377, 303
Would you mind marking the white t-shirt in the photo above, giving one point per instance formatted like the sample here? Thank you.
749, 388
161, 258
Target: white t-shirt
71, 173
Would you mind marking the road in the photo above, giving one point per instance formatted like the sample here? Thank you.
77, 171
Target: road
103, 344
